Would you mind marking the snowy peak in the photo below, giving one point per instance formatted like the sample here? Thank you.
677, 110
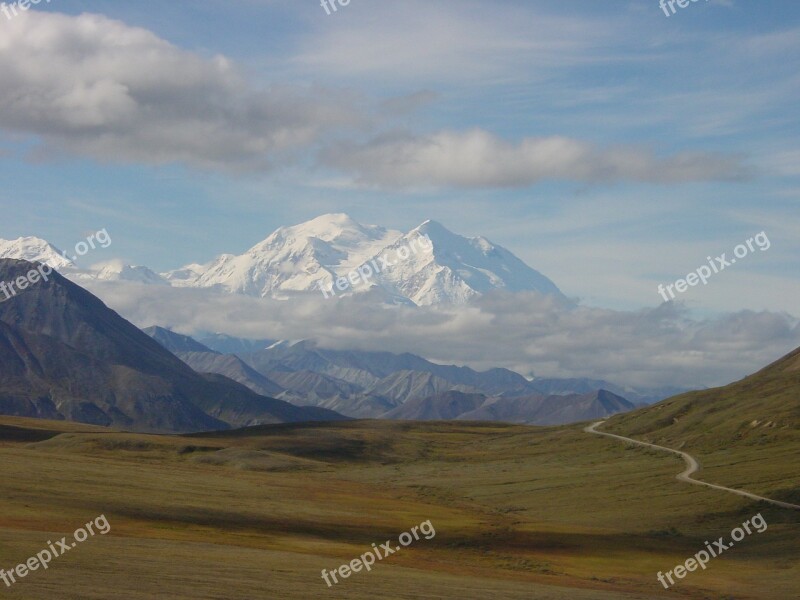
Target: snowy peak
34, 249
185, 276
458, 268
428, 265
336, 233
38, 250
116, 270
292, 260
336, 228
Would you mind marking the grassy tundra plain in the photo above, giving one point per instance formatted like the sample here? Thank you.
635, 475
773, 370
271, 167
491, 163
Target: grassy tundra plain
519, 512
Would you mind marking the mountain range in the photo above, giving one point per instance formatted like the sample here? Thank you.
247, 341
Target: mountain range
364, 384
69, 356
359, 367
65, 355
536, 409
425, 266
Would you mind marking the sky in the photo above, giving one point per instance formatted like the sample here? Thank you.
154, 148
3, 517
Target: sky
608, 145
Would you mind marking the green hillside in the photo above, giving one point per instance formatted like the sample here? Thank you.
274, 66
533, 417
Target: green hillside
745, 434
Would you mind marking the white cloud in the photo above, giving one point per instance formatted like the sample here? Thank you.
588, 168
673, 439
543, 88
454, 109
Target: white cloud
96, 87
525, 332
478, 158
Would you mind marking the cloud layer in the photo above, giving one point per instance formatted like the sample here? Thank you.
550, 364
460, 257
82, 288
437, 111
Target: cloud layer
96, 87
525, 332
477, 158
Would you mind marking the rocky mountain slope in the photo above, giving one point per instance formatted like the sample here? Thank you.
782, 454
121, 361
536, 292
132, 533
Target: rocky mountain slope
66, 355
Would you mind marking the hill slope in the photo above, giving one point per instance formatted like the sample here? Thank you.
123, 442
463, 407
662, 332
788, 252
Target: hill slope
551, 410
66, 355
746, 435
759, 409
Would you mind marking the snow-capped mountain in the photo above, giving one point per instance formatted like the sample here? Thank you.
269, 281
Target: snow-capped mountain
116, 270
441, 268
428, 265
35, 250
38, 250
457, 269
292, 259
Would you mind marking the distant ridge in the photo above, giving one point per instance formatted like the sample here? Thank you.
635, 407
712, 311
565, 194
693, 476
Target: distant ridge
399, 386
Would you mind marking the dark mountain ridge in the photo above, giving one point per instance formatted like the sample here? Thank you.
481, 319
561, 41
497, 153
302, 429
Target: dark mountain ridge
67, 355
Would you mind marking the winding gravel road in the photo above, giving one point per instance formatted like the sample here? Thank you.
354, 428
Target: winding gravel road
692, 466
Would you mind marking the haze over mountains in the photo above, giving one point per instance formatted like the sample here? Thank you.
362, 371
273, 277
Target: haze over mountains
303, 258
364, 384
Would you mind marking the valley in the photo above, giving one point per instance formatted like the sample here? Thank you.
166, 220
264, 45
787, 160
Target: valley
552, 512
403, 304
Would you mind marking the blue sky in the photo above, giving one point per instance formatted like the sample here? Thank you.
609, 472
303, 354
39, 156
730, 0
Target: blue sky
609, 146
